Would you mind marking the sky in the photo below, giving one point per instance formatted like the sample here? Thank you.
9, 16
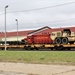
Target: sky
29, 19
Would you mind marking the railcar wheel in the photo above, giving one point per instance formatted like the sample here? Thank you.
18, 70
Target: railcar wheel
26, 48
58, 47
58, 40
2, 48
64, 40
35, 48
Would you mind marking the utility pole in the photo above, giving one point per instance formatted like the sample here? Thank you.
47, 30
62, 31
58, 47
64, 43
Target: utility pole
17, 30
5, 26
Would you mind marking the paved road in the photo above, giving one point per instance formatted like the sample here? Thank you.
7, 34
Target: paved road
35, 69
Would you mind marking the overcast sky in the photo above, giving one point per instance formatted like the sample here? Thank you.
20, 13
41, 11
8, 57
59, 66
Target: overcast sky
60, 16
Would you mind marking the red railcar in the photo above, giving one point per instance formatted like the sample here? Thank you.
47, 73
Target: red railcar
39, 39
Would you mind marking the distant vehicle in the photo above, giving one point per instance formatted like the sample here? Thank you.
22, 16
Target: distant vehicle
63, 37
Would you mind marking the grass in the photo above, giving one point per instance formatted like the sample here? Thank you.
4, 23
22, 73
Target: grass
44, 57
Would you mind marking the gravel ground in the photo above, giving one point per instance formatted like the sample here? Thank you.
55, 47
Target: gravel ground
35, 69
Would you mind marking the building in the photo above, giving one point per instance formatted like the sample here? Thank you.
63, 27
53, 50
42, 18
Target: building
43, 30
47, 30
12, 36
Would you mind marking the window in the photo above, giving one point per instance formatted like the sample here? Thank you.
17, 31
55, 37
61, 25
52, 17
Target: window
53, 34
58, 34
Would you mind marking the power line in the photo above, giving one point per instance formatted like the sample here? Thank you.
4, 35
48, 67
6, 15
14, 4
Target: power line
50, 21
22, 24
59, 20
41, 8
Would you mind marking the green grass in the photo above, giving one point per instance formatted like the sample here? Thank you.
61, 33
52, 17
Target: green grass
44, 57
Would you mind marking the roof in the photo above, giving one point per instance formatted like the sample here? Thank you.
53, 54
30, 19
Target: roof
11, 34
44, 30
40, 30
50, 30
1, 34
60, 29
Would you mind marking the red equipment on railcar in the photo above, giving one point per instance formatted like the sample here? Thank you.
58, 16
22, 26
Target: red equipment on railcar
39, 39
